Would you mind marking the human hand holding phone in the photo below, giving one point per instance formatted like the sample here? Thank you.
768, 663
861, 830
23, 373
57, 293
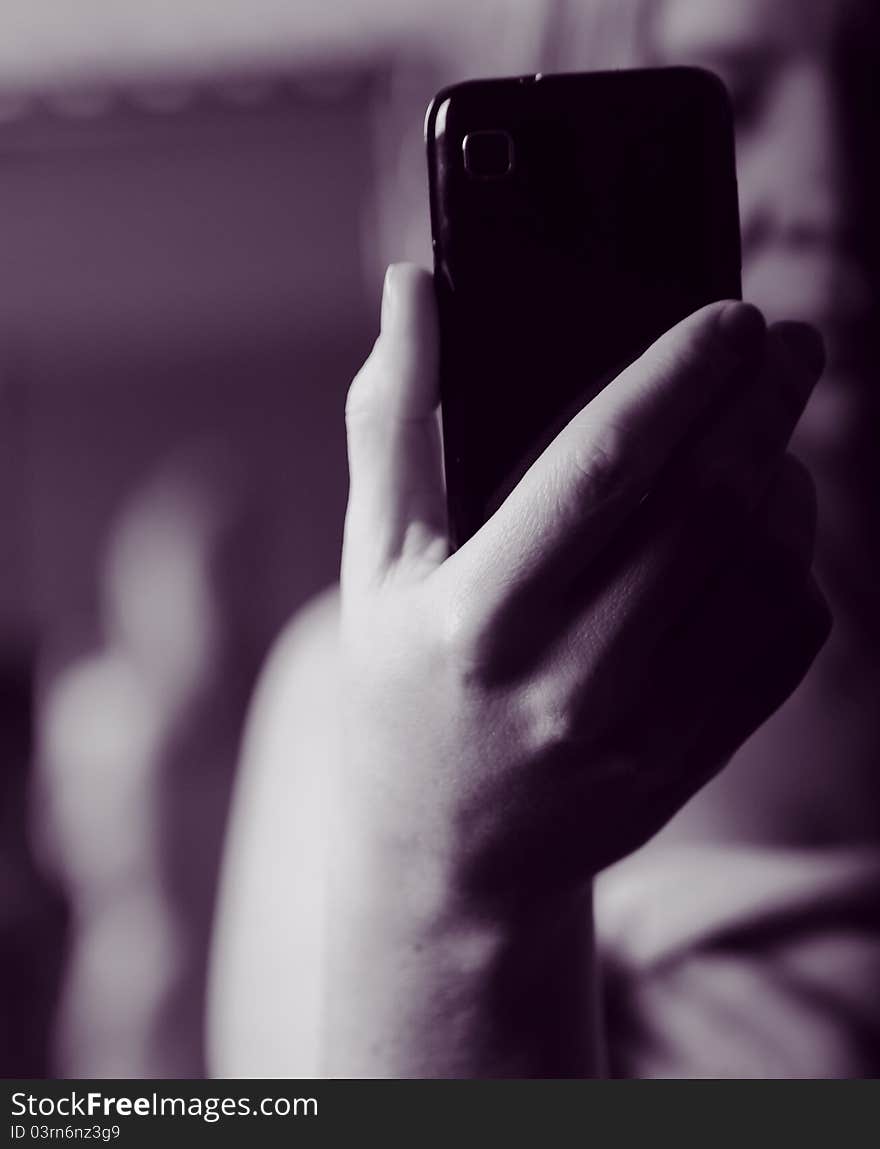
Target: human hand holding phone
524, 711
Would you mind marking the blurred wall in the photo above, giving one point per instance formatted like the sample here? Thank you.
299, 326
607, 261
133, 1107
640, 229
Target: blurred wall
170, 275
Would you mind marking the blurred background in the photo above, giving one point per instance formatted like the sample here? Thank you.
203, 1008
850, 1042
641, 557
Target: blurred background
197, 203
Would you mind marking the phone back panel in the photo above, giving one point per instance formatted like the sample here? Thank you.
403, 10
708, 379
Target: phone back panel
617, 218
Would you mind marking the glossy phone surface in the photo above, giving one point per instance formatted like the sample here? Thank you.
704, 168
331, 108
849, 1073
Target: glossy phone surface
575, 218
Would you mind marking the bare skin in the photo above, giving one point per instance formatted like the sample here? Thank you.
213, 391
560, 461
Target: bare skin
526, 711
807, 775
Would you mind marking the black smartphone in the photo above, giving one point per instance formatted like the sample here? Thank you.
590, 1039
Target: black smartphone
575, 218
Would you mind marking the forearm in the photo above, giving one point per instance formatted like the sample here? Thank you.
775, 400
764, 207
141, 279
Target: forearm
414, 989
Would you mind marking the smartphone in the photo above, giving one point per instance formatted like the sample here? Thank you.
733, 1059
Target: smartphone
575, 218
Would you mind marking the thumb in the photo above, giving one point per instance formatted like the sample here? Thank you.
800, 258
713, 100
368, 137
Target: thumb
396, 505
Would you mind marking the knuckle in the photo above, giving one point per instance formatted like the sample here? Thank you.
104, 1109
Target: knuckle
464, 638
550, 719
599, 463
359, 400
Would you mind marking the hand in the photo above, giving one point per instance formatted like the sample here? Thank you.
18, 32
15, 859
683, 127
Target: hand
524, 712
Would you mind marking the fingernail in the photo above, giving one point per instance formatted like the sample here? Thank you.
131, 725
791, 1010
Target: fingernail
387, 315
743, 328
805, 345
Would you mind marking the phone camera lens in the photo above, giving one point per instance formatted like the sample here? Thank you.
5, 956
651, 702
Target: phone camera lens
488, 155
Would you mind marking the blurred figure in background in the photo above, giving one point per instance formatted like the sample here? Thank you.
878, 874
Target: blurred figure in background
186, 266
745, 940
139, 743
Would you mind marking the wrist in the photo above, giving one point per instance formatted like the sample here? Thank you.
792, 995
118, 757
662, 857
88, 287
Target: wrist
423, 981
